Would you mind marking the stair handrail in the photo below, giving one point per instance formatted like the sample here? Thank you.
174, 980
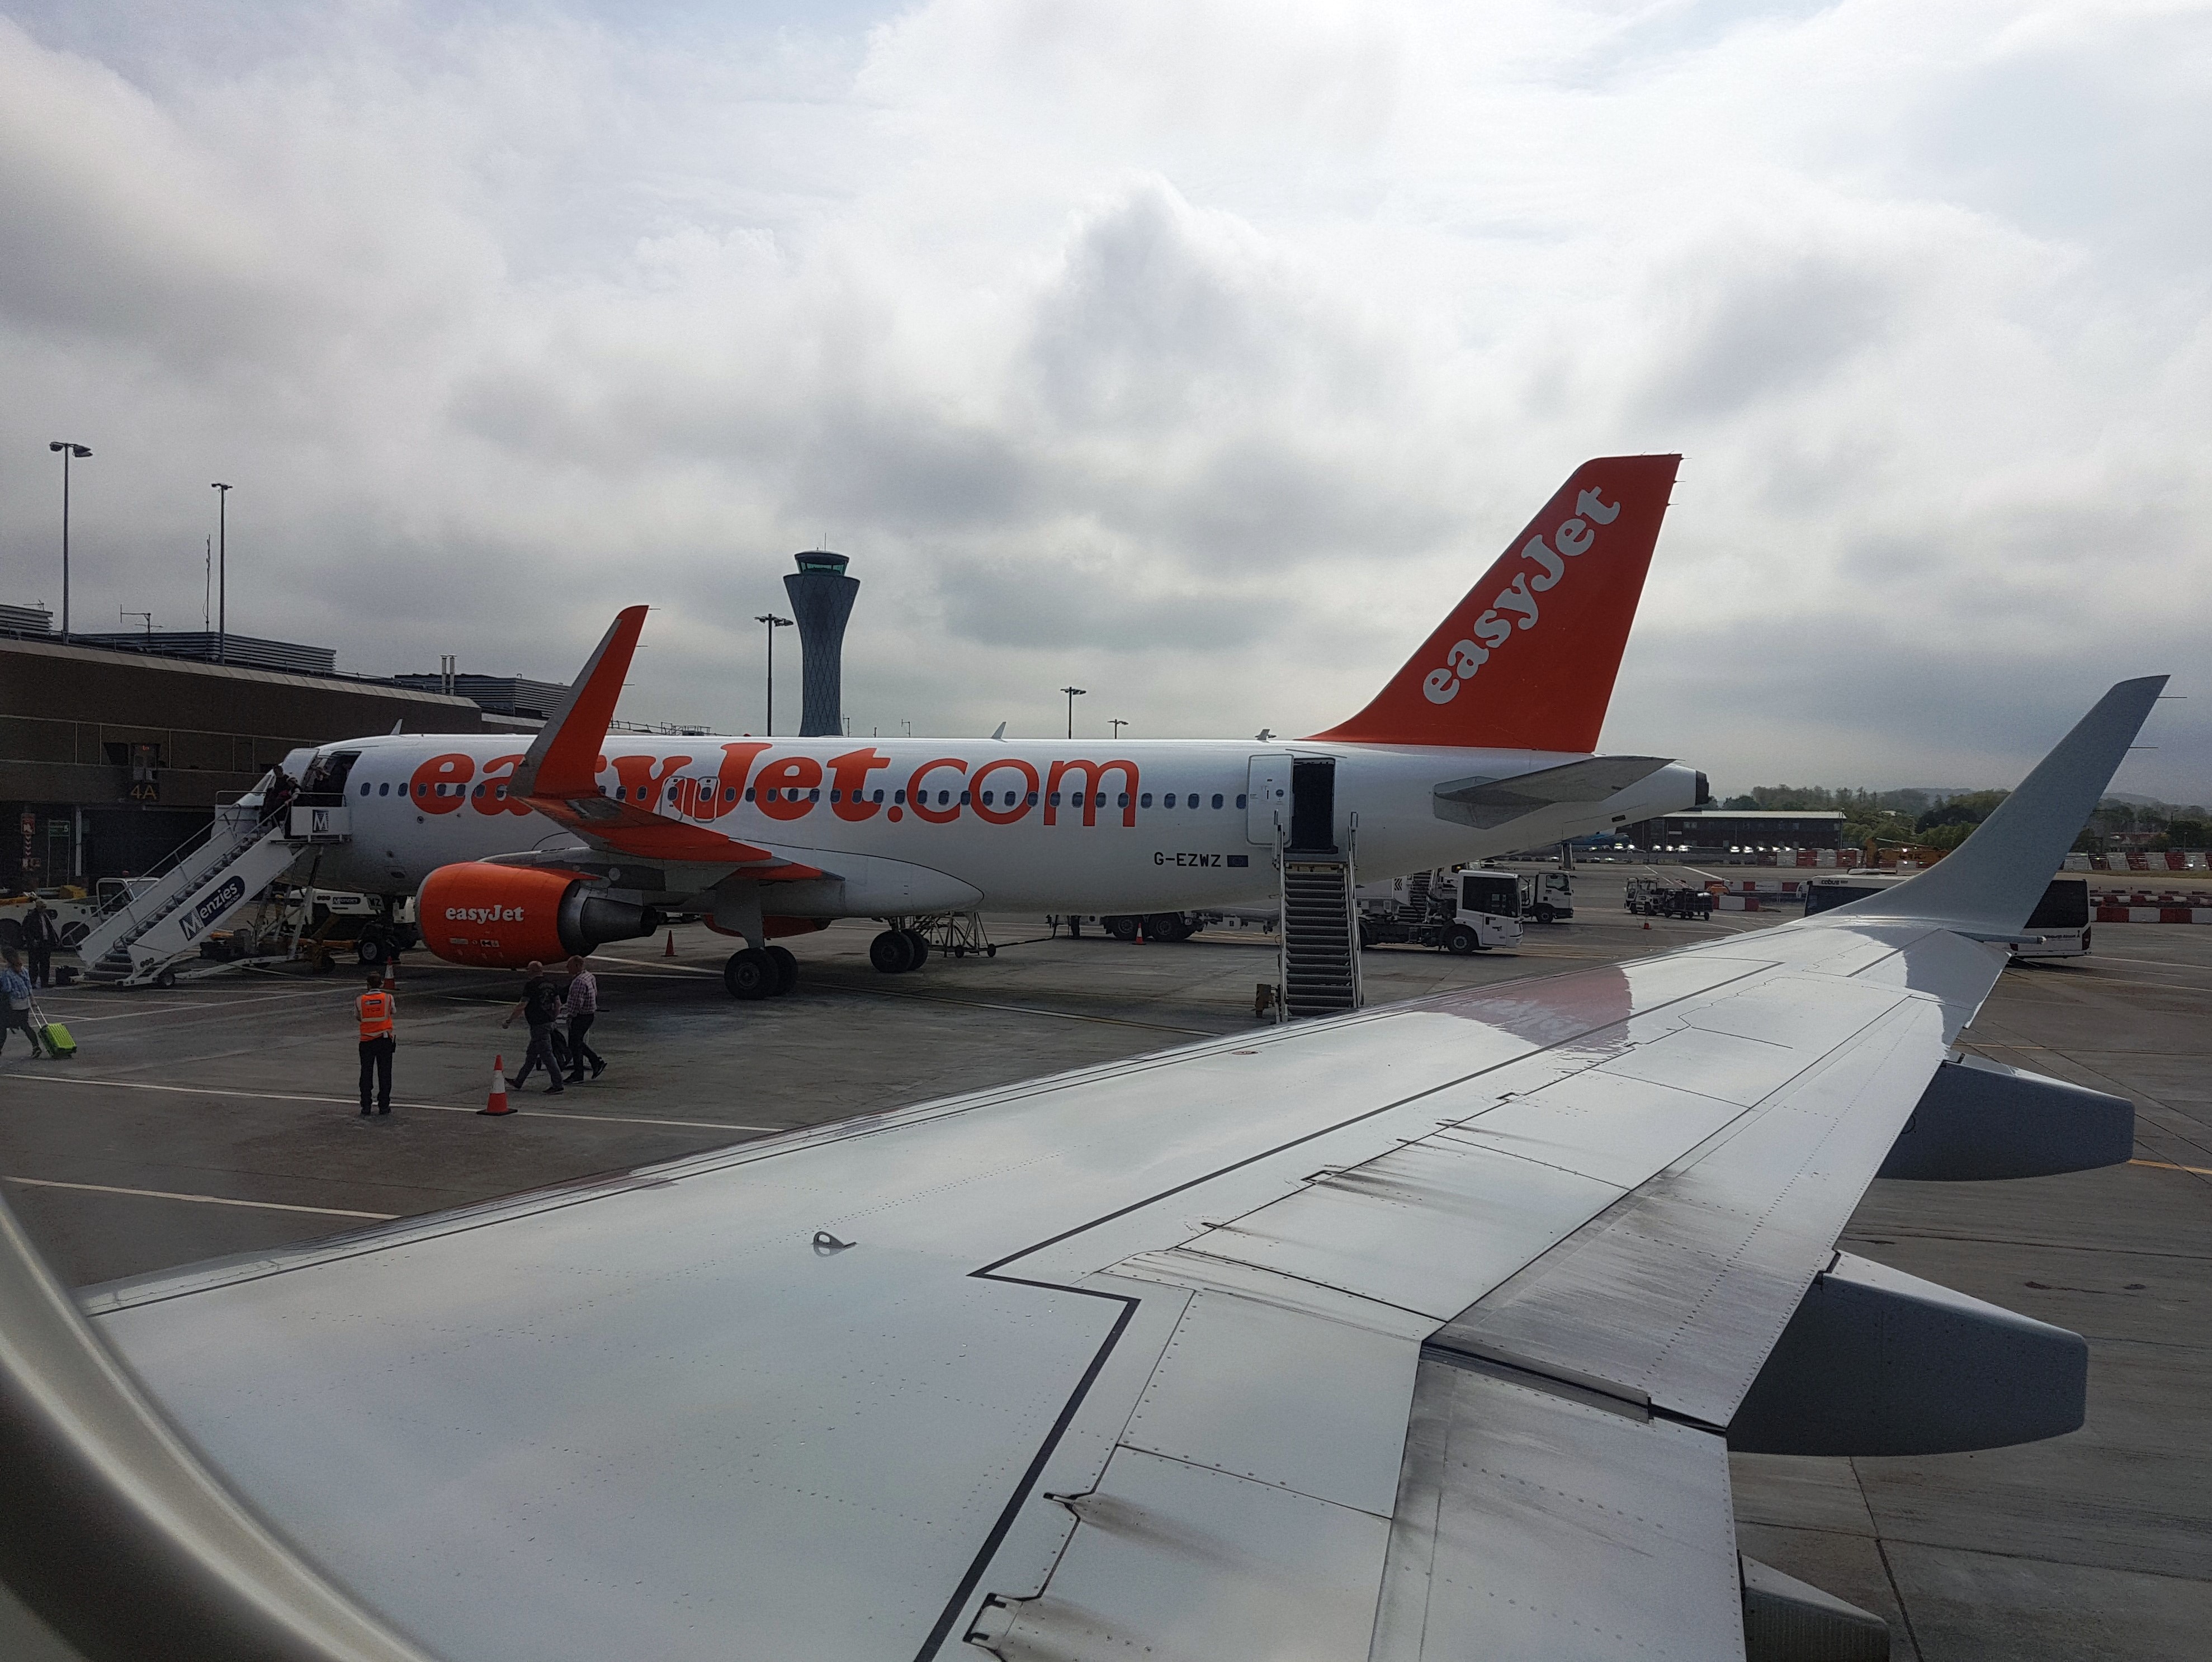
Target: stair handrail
176, 857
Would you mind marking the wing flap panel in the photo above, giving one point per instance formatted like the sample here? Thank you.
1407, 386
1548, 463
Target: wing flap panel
1681, 1289
1424, 1228
1184, 1563
1282, 1397
1533, 1525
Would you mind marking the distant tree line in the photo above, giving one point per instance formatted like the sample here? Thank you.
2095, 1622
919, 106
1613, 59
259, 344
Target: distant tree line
1935, 820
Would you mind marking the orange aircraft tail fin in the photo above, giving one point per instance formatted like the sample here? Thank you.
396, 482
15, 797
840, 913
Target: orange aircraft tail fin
1527, 660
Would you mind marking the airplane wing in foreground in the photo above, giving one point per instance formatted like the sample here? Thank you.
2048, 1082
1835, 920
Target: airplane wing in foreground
1423, 1332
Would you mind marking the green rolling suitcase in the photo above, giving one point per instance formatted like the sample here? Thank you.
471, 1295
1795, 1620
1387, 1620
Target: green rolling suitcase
53, 1035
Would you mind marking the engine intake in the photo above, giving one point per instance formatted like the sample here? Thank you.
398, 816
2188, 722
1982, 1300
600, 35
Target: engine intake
502, 917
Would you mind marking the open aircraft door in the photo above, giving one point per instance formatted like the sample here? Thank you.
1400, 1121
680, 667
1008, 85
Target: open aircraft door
1267, 796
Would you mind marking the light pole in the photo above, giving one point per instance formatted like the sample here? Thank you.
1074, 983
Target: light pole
1118, 726
774, 623
222, 572
69, 450
1073, 693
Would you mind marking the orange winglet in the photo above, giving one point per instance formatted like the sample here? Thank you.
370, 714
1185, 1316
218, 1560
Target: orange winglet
563, 761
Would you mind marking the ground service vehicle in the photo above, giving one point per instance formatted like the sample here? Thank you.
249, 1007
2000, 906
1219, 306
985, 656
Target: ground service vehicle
1651, 897
1459, 912
1547, 897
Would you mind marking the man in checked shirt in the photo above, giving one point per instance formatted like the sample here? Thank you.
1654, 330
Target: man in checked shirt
581, 1006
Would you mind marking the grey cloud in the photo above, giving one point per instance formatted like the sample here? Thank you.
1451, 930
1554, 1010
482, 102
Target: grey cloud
1090, 600
1749, 324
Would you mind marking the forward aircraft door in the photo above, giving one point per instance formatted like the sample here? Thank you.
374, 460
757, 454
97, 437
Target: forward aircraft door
1267, 796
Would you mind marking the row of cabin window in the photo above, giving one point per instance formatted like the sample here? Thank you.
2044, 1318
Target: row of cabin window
1192, 798
991, 799
499, 792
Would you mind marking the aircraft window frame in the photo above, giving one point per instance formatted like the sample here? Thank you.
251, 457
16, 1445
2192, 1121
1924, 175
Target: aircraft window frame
1217, 800
1122, 800
364, 787
1240, 799
748, 793
384, 789
1144, 800
898, 798
1032, 799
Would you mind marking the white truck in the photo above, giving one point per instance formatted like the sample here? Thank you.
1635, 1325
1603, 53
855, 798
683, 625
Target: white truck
1457, 911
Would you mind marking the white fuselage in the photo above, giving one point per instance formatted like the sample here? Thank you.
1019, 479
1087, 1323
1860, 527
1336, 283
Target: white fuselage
908, 826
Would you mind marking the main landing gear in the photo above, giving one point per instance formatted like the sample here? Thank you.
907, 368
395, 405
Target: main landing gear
896, 951
760, 973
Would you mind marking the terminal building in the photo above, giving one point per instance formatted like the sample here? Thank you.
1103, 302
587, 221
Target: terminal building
112, 755
1720, 832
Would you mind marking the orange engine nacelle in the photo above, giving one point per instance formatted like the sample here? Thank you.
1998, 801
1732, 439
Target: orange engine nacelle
501, 916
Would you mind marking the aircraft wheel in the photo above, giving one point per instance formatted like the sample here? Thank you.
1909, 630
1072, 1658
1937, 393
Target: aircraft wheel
921, 948
892, 952
1166, 927
1460, 940
751, 974
787, 966
1120, 928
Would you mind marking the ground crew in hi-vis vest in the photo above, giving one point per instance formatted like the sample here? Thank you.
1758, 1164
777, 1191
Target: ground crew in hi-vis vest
375, 1009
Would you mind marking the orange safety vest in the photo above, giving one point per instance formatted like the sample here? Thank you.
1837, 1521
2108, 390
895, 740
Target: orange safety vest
375, 1009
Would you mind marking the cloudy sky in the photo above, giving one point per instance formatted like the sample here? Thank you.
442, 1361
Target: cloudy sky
1198, 353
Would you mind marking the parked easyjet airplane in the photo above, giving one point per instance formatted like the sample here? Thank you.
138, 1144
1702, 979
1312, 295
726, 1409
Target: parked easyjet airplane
1481, 744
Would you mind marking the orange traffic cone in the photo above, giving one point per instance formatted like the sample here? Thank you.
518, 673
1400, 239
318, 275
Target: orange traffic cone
496, 1102
391, 976
1647, 922
1140, 931
670, 952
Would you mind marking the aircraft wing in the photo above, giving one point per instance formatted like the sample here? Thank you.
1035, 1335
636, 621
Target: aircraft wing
1421, 1332
559, 777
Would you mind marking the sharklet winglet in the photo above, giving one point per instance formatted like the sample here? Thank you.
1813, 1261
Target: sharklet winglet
1991, 883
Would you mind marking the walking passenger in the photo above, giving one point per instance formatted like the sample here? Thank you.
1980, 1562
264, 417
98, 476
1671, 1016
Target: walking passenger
375, 1009
40, 937
16, 1001
582, 1002
541, 1007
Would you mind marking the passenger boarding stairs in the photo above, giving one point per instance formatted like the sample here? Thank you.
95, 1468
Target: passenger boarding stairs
197, 889
1320, 934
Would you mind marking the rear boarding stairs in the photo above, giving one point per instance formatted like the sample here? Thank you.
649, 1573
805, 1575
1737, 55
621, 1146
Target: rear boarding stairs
1318, 947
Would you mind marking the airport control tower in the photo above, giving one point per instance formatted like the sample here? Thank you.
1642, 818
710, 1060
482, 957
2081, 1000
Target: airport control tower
821, 600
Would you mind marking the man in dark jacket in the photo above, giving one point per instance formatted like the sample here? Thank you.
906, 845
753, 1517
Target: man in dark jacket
540, 1006
40, 937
